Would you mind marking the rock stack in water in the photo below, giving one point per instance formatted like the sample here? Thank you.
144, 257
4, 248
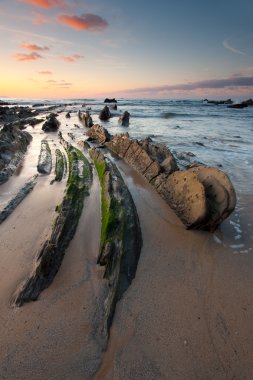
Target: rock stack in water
105, 114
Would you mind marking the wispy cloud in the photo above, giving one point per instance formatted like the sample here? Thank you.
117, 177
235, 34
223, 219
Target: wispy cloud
39, 18
34, 47
45, 72
58, 83
86, 21
46, 4
207, 84
71, 58
27, 57
227, 45
36, 35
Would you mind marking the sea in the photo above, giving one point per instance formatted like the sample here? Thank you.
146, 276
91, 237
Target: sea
194, 130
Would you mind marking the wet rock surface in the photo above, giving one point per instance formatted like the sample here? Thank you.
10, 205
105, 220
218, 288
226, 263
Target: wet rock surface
13, 145
98, 133
124, 119
201, 197
121, 240
45, 158
52, 124
49, 258
15, 201
105, 114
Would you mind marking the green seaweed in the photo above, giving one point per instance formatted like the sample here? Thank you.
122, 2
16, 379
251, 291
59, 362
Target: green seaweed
109, 207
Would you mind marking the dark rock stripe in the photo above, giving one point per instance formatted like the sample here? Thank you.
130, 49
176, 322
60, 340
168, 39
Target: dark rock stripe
121, 240
45, 158
51, 255
26, 189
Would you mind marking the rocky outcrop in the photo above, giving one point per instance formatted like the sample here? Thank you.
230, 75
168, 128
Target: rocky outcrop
238, 105
19, 115
120, 242
113, 107
26, 189
13, 145
49, 258
60, 165
105, 114
45, 158
147, 158
52, 124
85, 118
249, 102
68, 115
108, 100
98, 133
124, 119
218, 102
202, 197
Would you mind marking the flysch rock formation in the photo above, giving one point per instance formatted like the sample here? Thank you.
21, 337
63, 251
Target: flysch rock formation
13, 145
202, 197
17, 199
85, 118
98, 133
49, 258
147, 158
45, 158
121, 241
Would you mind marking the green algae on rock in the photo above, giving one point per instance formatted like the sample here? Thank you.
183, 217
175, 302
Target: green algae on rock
120, 241
51, 255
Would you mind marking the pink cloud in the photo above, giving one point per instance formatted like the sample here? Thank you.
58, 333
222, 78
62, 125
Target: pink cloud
34, 47
46, 4
39, 18
45, 72
27, 57
84, 22
71, 58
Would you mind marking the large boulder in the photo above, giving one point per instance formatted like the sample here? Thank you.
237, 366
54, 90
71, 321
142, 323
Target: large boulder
51, 124
185, 194
98, 133
105, 114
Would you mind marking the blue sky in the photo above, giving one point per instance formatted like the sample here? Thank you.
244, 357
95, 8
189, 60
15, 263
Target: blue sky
134, 48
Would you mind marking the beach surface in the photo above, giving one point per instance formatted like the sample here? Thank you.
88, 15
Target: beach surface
187, 314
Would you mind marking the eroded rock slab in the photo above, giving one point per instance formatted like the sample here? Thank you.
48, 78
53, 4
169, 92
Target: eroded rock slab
121, 241
202, 197
98, 133
26, 189
45, 158
147, 158
51, 255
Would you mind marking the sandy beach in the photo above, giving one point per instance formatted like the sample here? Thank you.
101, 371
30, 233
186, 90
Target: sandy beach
187, 314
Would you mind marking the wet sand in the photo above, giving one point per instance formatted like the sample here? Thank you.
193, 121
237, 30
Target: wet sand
187, 314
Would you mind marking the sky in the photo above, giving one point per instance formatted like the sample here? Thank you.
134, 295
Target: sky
132, 48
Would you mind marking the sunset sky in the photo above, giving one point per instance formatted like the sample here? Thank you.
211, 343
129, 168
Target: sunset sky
158, 49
